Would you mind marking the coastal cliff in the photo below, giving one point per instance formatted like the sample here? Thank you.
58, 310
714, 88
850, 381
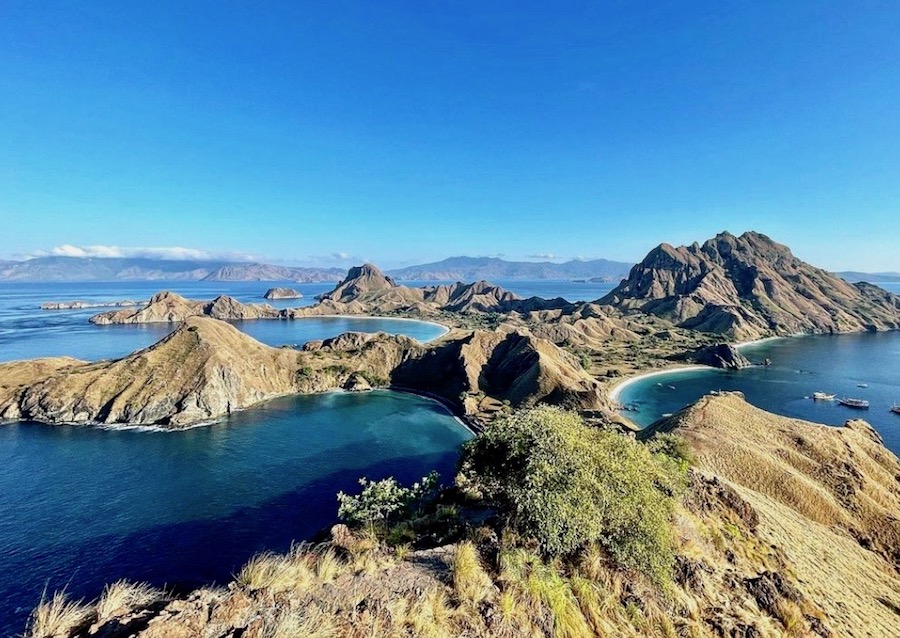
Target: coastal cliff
749, 287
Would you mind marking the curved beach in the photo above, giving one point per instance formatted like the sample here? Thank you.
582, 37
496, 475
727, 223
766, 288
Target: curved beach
616, 390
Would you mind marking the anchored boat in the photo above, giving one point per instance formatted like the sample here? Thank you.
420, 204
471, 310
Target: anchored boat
822, 396
895, 409
859, 404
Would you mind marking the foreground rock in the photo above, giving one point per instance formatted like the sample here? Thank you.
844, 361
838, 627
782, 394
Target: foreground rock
749, 287
282, 293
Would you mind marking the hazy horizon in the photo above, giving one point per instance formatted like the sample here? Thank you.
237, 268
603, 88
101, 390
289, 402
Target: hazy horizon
400, 134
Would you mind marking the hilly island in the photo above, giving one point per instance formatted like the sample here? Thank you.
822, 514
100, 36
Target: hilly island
563, 518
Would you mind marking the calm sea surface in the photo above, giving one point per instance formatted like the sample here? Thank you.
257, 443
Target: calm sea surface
800, 366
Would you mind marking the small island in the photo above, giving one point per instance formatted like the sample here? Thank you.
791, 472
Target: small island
282, 293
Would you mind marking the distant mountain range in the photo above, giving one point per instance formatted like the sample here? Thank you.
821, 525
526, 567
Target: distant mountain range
493, 268
56, 269
871, 277
142, 269
468, 269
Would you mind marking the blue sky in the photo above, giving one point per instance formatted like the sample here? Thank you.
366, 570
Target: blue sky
328, 132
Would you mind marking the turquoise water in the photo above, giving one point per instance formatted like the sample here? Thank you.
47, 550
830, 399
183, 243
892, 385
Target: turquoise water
800, 366
84, 506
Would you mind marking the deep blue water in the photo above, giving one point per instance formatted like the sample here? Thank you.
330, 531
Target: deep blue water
85, 506
800, 366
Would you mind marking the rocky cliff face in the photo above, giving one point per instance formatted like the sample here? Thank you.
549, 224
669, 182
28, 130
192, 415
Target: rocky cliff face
360, 280
750, 286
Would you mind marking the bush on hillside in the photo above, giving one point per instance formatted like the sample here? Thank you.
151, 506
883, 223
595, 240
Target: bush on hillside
386, 500
565, 485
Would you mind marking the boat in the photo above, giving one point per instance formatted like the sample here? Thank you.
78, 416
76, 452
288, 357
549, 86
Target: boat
822, 396
862, 385
860, 404
895, 409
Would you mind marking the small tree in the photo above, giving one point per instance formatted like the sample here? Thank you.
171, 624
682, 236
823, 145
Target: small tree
385, 500
565, 485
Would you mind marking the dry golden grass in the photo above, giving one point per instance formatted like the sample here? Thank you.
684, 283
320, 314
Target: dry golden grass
470, 581
123, 596
295, 571
311, 623
57, 616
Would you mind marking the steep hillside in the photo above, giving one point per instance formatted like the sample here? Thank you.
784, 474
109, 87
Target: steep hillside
204, 369
747, 287
780, 529
828, 496
485, 369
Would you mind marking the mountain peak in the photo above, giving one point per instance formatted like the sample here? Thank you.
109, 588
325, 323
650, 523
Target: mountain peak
359, 280
747, 287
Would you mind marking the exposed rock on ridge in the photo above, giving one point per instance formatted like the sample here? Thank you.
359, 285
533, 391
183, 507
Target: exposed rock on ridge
722, 355
750, 286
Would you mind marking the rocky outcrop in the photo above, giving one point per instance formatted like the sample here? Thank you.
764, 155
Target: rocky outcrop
722, 355
282, 293
170, 307
748, 287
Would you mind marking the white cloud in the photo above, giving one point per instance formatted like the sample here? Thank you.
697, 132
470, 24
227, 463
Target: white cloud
172, 253
541, 256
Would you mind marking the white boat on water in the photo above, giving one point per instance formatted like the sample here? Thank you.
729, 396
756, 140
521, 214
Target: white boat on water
862, 385
895, 409
822, 396
860, 404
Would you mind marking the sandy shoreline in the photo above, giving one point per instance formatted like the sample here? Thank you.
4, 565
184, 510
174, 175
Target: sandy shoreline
616, 390
445, 329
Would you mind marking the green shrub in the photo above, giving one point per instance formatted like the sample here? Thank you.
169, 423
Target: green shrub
564, 484
673, 446
386, 500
